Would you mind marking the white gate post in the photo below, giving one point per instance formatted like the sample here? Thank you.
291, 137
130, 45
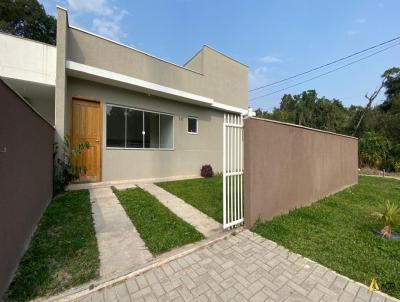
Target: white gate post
232, 183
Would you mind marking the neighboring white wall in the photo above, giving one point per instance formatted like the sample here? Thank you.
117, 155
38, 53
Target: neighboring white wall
27, 60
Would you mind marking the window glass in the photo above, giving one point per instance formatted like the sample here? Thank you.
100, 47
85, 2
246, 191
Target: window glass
115, 126
152, 130
166, 128
192, 125
131, 128
134, 128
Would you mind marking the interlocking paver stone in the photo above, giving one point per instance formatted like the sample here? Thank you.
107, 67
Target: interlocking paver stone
219, 273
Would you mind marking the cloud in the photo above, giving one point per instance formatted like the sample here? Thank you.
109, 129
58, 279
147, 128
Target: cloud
110, 26
99, 7
107, 28
353, 32
106, 17
360, 20
270, 60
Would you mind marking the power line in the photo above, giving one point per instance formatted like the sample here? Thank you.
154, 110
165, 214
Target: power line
306, 76
325, 65
326, 73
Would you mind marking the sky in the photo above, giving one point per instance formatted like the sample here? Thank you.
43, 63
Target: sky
275, 39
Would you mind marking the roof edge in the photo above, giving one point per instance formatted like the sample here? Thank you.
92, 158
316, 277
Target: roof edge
27, 39
132, 48
192, 57
226, 56
62, 8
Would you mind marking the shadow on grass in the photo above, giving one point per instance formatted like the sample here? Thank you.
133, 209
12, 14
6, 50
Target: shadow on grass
63, 251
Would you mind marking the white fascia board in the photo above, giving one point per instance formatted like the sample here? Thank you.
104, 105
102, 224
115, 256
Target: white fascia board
151, 87
229, 108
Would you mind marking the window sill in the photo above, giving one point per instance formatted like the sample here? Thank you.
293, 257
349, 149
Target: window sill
140, 149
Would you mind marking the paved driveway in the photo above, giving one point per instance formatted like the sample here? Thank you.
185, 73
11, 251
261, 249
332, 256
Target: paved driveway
245, 267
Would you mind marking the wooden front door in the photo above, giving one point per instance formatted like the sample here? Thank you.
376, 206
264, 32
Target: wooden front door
87, 127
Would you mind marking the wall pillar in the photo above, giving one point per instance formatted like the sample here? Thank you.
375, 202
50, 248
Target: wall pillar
61, 79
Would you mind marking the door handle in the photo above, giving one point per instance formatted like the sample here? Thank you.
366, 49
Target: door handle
97, 141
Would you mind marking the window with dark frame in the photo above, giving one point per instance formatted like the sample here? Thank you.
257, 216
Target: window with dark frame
192, 125
137, 129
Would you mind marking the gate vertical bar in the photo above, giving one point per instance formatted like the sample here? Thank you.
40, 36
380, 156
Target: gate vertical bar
224, 169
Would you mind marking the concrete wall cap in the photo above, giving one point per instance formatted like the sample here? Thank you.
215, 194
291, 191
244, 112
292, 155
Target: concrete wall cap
303, 127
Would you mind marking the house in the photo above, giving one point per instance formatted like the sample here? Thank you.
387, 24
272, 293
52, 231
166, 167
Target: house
143, 116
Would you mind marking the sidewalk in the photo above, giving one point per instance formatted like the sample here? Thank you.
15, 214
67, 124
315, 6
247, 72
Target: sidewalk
120, 245
204, 224
245, 267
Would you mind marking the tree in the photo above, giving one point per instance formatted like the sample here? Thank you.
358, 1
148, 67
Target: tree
392, 82
28, 19
392, 91
374, 150
309, 110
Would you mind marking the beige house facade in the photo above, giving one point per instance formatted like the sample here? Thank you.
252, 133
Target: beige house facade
144, 117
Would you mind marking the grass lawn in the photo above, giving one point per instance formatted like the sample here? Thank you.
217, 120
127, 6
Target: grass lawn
63, 252
336, 232
159, 228
204, 194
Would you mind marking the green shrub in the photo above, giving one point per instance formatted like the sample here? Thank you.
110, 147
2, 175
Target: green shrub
390, 217
65, 170
374, 151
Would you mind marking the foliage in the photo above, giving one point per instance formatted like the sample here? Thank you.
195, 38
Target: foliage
204, 194
28, 19
159, 228
309, 110
392, 83
380, 127
207, 171
390, 217
336, 232
66, 170
374, 150
63, 251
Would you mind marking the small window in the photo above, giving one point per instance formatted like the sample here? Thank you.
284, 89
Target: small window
192, 125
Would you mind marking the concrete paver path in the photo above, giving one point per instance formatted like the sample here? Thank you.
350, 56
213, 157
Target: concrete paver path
204, 224
245, 267
120, 245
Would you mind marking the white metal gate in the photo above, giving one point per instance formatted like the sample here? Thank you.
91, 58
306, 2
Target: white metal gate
232, 170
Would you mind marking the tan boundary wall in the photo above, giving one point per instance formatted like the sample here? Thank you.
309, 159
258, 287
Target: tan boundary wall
26, 177
288, 166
